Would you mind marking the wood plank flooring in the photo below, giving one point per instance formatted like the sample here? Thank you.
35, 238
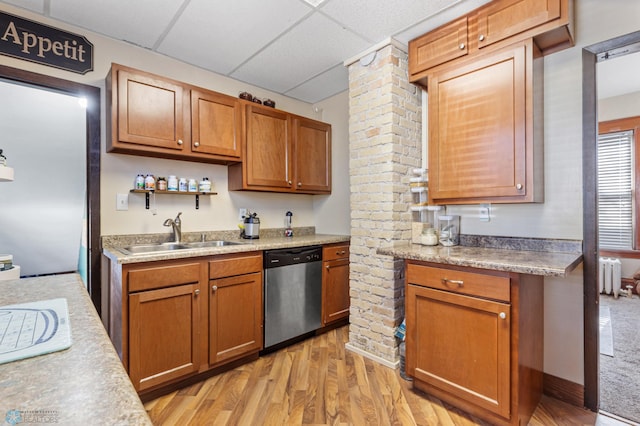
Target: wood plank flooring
318, 382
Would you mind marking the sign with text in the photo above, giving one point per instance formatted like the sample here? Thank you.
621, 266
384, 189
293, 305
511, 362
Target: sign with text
35, 42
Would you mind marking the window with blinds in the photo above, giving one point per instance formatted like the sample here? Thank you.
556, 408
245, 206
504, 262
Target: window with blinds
616, 190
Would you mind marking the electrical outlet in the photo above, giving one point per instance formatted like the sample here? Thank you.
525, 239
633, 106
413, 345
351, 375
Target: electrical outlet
122, 201
242, 213
485, 212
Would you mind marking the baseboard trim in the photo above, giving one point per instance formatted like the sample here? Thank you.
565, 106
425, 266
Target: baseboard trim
373, 357
564, 390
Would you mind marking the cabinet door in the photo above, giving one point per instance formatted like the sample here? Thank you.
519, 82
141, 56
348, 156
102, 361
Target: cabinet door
215, 124
312, 156
269, 148
439, 46
460, 345
478, 147
505, 18
335, 290
150, 111
235, 320
163, 335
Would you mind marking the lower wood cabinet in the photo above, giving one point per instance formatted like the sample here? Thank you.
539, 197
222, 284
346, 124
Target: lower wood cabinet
164, 326
235, 307
163, 335
475, 339
335, 283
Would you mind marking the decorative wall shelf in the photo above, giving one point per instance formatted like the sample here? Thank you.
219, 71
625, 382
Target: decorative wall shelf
146, 193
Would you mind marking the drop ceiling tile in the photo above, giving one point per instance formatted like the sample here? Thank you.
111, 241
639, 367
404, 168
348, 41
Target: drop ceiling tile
34, 5
323, 86
317, 43
377, 19
140, 22
221, 35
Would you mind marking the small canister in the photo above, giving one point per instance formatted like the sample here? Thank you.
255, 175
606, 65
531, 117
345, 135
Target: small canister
149, 183
205, 185
192, 185
139, 182
161, 184
449, 230
6, 262
172, 183
182, 185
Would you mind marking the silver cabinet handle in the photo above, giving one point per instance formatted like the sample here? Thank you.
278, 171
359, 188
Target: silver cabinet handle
299, 183
289, 182
328, 267
341, 252
446, 281
502, 315
462, 46
196, 292
481, 37
196, 144
214, 288
519, 186
179, 141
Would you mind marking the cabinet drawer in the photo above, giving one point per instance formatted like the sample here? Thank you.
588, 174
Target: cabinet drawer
469, 283
163, 276
337, 251
234, 264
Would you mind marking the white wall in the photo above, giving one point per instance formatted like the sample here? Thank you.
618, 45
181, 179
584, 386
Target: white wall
216, 212
332, 213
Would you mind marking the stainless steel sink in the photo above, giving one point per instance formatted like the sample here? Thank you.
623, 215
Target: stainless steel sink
213, 243
168, 247
152, 248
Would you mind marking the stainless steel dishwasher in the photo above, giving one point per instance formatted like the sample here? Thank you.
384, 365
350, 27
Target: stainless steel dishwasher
292, 293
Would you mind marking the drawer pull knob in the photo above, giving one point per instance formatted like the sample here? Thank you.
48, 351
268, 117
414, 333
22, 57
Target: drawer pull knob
328, 267
196, 144
502, 315
340, 252
196, 292
481, 37
214, 288
446, 282
462, 46
179, 141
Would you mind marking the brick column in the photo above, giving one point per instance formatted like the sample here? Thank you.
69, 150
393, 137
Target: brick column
384, 147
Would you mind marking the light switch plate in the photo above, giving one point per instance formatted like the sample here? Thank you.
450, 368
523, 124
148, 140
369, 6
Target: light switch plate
122, 201
242, 213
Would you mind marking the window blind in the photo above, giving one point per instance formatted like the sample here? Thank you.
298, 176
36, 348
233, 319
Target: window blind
616, 190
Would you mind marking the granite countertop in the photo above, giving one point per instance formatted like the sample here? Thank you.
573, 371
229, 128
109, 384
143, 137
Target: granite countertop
537, 259
269, 241
85, 384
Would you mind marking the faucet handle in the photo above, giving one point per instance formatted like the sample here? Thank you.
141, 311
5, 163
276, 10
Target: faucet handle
177, 219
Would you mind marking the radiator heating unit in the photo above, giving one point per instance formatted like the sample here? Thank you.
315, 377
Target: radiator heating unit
609, 278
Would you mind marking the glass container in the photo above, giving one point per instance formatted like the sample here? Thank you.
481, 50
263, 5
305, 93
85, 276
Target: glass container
449, 234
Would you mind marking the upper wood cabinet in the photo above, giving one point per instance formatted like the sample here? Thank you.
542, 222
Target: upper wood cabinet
283, 153
159, 117
485, 136
495, 25
312, 141
216, 124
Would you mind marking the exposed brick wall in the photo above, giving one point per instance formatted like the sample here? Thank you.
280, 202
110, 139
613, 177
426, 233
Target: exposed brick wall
384, 147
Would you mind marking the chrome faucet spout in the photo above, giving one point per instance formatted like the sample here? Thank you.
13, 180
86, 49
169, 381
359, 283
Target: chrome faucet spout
176, 224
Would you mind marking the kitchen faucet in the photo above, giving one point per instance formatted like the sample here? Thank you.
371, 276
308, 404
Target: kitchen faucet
177, 227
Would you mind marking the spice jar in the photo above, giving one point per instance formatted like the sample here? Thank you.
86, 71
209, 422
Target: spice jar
192, 186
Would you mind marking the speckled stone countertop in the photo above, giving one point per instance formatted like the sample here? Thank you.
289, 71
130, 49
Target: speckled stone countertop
525, 256
83, 385
269, 240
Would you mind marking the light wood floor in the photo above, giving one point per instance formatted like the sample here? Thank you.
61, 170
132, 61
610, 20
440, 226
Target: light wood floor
318, 382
